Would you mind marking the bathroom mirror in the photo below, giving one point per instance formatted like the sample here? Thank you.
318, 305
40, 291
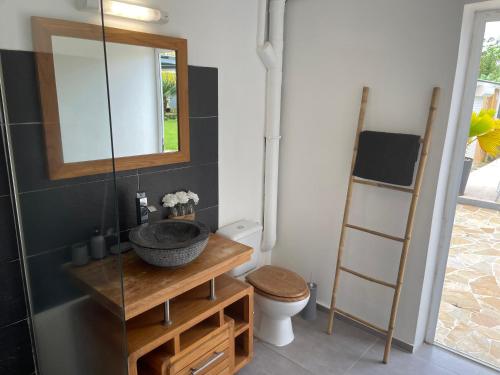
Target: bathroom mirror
148, 98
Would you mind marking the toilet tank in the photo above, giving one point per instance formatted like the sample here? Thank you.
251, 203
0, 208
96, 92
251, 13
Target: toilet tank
248, 233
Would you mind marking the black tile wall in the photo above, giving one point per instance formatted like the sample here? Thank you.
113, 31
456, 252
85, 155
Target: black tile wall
204, 140
8, 246
59, 217
210, 216
11, 294
203, 92
15, 344
8, 242
15, 350
4, 183
21, 86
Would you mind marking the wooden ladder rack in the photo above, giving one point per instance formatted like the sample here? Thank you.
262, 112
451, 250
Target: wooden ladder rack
415, 191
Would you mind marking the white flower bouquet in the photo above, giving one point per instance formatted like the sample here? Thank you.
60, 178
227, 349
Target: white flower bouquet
170, 200
180, 203
193, 196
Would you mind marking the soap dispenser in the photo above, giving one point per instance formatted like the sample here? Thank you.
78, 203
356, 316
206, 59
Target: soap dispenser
97, 245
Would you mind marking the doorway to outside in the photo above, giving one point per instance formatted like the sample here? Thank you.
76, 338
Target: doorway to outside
469, 313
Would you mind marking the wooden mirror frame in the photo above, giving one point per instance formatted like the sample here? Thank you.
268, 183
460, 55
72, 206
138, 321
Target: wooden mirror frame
43, 29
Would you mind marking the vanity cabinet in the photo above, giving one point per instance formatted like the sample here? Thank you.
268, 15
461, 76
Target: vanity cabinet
204, 335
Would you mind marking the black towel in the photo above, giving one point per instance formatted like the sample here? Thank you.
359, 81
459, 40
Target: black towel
387, 157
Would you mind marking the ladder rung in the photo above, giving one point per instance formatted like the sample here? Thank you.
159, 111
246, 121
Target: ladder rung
361, 321
375, 233
382, 185
368, 278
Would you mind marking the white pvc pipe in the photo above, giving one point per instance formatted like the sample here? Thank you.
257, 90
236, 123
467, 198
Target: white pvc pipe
262, 23
271, 54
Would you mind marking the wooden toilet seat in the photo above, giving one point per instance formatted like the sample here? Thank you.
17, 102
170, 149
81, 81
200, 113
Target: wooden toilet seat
278, 284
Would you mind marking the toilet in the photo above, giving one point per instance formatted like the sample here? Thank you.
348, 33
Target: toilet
279, 293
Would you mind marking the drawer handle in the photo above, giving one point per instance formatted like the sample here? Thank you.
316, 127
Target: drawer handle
214, 358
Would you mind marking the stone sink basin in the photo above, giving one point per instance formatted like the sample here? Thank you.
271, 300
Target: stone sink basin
169, 243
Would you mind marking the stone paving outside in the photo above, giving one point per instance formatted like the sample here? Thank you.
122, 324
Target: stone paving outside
469, 316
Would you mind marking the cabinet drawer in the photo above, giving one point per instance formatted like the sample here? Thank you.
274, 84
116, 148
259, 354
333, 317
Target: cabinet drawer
197, 348
222, 369
210, 363
205, 349
225, 371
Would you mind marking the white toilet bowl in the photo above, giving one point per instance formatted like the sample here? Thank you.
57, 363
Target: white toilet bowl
272, 319
279, 295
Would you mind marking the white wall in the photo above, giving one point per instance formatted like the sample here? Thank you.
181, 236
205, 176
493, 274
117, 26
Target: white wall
401, 49
220, 33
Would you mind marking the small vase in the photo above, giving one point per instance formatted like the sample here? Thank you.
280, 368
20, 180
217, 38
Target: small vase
181, 209
174, 211
189, 208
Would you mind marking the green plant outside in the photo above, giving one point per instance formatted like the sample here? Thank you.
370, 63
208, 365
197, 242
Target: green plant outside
170, 125
489, 69
485, 129
170, 135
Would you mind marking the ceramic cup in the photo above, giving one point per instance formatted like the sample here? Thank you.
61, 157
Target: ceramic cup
80, 254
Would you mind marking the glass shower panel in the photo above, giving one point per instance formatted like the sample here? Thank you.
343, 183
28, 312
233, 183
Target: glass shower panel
68, 285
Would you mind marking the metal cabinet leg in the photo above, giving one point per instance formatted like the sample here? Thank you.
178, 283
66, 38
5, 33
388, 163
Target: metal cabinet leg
213, 297
166, 313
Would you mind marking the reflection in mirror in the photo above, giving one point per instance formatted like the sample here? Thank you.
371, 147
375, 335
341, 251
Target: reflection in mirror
168, 77
143, 94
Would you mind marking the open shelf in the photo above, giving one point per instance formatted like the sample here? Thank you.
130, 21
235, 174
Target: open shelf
240, 361
242, 350
158, 359
240, 327
238, 311
145, 331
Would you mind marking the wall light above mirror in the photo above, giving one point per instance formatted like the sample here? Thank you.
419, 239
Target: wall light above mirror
124, 9
148, 98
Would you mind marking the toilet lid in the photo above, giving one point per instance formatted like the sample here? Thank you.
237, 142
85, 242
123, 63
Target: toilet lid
278, 282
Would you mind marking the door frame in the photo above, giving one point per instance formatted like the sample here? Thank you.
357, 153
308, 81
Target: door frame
456, 165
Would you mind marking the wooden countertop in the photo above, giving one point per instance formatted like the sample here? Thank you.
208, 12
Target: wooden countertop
146, 286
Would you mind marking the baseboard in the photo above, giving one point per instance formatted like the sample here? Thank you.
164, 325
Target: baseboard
395, 342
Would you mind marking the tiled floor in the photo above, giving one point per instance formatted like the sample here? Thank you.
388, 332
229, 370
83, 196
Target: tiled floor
351, 351
469, 317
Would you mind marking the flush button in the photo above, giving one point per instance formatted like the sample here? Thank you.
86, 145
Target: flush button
240, 227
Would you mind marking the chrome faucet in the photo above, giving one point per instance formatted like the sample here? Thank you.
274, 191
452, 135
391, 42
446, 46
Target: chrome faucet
141, 204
